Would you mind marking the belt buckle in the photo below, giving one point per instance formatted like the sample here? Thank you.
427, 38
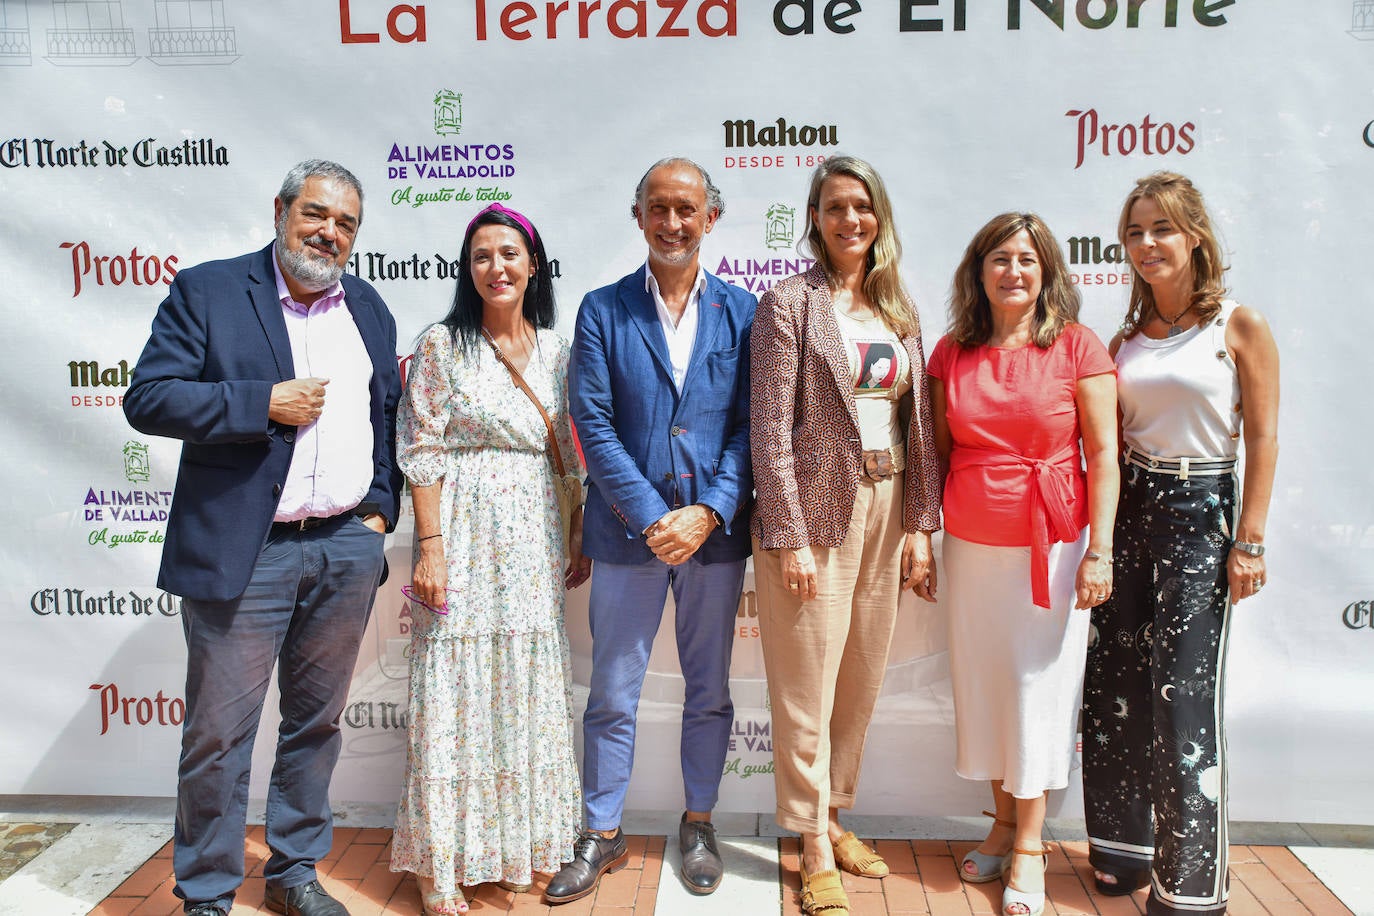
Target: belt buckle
309, 523
877, 464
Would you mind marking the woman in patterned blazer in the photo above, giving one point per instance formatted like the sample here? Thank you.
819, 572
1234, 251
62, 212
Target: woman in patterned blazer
848, 492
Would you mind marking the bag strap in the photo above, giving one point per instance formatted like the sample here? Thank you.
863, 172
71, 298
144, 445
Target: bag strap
520, 383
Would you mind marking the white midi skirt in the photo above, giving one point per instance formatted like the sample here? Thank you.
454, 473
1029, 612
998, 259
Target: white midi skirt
1017, 669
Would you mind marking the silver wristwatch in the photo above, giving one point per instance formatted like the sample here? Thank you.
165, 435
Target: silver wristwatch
1255, 550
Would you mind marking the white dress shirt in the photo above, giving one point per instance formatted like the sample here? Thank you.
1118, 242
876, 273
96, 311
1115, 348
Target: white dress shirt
682, 335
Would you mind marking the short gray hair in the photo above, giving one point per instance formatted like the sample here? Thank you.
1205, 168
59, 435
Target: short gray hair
713, 199
322, 168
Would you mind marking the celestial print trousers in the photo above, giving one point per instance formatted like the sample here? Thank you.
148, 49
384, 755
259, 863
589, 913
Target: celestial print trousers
1154, 754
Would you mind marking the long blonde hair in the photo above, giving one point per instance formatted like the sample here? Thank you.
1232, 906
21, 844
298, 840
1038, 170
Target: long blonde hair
970, 312
882, 281
1182, 205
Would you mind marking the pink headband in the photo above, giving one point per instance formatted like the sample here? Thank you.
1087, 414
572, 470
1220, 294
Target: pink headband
497, 208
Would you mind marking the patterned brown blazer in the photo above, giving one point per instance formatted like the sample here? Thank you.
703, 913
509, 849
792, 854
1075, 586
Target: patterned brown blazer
805, 427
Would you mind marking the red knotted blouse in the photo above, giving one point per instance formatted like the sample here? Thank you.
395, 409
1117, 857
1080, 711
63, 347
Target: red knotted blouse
1016, 475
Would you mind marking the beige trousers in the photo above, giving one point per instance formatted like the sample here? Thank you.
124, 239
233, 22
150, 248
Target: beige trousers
826, 657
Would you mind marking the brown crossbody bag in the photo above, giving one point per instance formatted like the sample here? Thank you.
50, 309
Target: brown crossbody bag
566, 487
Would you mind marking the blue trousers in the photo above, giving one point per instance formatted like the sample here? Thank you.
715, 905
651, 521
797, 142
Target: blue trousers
304, 610
626, 606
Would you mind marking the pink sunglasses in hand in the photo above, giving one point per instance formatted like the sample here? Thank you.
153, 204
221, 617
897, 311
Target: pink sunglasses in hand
409, 592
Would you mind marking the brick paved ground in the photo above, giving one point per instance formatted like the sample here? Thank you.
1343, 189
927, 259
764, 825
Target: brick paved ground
1265, 881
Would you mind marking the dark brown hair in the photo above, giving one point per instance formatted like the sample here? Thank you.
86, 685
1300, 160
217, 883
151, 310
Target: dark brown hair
970, 312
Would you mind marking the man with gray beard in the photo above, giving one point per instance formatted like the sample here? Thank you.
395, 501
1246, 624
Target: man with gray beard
277, 372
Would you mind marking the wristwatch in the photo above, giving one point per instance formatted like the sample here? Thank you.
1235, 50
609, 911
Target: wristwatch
1255, 550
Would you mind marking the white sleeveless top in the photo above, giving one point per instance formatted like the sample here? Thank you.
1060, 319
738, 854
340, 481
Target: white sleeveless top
1180, 396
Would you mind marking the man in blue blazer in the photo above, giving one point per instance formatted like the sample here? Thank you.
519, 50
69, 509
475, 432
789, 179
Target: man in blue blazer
658, 387
278, 373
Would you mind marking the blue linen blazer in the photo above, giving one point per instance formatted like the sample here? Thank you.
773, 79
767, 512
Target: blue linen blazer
218, 345
649, 448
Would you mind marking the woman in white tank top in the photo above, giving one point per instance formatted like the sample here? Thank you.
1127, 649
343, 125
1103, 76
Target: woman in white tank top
1196, 375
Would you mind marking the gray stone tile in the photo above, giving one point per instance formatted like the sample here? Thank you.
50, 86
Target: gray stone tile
21, 843
87, 809
1066, 829
1348, 835
750, 884
1268, 833
900, 827
358, 814
1348, 873
664, 823
78, 871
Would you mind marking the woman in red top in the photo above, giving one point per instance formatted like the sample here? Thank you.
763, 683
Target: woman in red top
1015, 386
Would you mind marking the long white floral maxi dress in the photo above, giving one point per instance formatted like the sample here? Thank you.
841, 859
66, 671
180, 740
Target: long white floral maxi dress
491, 789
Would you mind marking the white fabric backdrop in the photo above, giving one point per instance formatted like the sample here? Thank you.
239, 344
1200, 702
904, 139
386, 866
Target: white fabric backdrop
142, 136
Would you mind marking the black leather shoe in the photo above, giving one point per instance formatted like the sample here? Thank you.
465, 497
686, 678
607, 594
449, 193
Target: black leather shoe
205, 909
593, 856
701, 865
307, 900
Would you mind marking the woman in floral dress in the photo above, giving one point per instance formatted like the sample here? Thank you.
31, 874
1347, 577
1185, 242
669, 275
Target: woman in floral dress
491, 791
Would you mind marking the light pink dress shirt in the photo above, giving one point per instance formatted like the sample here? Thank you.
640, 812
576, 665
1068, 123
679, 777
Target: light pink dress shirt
331, 467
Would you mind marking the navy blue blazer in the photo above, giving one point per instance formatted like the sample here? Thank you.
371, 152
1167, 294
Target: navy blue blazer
218, 345
649, 449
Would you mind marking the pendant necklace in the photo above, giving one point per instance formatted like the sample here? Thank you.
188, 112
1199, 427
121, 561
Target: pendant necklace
1174, 329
